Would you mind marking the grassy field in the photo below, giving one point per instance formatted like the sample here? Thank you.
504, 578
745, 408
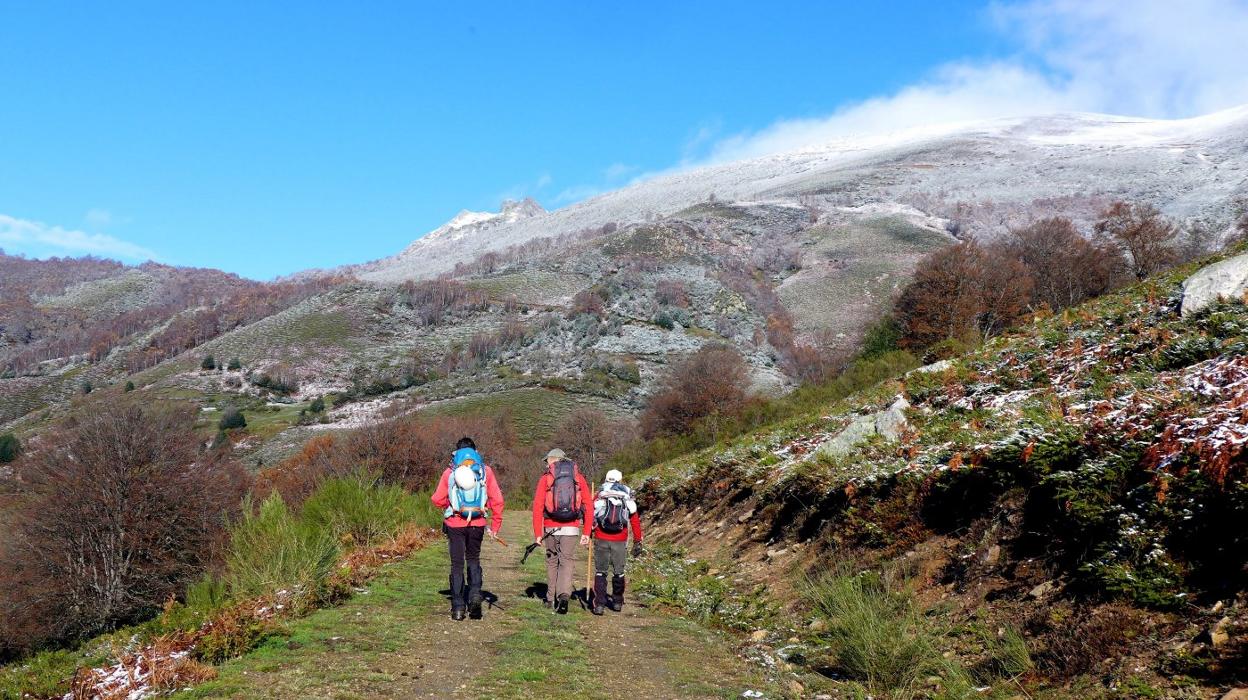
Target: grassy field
536, 412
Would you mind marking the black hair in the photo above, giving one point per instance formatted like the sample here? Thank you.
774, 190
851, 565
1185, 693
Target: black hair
465, 442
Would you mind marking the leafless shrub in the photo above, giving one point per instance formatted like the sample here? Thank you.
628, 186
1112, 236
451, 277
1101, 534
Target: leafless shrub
1143, 235
126, 510
436, 300
670, 292
591, 437
711, 381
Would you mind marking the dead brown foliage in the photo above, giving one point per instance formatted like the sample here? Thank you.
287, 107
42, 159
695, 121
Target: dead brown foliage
710, 382
964, 290
1144, 236
409, 450
125, 511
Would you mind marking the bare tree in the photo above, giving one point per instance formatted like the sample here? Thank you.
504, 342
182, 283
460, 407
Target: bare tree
1066, 267
1143, 235
126, 510
591, 437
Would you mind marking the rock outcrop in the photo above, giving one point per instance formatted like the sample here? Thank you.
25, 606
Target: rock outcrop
1222, 280
889, 423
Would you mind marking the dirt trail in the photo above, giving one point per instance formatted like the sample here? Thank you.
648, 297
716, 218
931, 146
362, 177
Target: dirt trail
397, 641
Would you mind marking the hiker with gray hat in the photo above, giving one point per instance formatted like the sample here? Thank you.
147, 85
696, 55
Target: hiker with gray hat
562, 518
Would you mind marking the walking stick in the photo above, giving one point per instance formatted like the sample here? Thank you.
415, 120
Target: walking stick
589, 575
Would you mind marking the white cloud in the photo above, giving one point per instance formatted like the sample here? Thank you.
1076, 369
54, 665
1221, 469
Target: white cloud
1152, 58
615, 171
41, 239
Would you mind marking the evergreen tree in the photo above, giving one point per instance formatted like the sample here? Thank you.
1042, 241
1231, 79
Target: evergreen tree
129, 387
10, 447
232, 418
235, 364
208, 363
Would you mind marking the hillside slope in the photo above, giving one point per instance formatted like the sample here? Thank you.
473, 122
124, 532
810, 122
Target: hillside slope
785, 257
1190, 168
1082, 480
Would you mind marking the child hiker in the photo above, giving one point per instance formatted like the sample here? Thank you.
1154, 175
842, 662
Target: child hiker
615, 512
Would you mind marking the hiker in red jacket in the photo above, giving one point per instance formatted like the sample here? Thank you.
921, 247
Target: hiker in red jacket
468, 494
615, 513
561, 515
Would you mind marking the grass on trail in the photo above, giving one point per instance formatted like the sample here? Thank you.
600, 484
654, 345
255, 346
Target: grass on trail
396, 640
333, 652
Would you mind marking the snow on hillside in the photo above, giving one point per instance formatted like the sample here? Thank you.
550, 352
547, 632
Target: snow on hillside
1189, 167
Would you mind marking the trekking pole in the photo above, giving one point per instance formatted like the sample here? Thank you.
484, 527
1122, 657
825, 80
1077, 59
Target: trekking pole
589, 574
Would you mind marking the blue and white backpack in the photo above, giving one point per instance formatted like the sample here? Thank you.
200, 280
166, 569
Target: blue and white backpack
466, 485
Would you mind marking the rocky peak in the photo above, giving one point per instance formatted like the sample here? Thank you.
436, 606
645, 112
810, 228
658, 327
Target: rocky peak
526, 208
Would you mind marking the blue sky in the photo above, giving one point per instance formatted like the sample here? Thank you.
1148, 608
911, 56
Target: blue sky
266, 138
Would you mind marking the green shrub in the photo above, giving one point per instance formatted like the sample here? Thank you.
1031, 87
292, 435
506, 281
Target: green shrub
359, 508
10, 447
234, 364
881, 338
86, 387
232, 419
45, 675
876, 634
129, 387
208, 363
425, 513
318, 405
271, 549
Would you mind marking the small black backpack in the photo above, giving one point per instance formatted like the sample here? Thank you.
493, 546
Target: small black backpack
614, 519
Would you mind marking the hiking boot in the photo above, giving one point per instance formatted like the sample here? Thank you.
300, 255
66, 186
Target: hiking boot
474, 607
616, 601
561, 605
600, 593
457, 614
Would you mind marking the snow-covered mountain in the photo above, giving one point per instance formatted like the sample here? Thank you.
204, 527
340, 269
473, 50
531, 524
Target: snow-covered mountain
1191, 168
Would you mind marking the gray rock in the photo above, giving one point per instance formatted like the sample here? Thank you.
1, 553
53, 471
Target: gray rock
939, 366
1226, 280
889, 423
1042, 591
856, 432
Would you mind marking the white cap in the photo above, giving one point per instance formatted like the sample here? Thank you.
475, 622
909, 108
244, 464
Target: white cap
614, 476
465, 478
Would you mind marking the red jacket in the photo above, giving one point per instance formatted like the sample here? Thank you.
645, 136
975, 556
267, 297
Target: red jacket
493, 500
541, 522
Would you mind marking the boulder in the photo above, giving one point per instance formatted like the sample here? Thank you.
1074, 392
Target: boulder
856, 432
938, 366
1236, 694
889, 423
1042, 591
1226, 280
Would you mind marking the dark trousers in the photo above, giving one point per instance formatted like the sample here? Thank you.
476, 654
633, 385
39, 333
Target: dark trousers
465, 546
